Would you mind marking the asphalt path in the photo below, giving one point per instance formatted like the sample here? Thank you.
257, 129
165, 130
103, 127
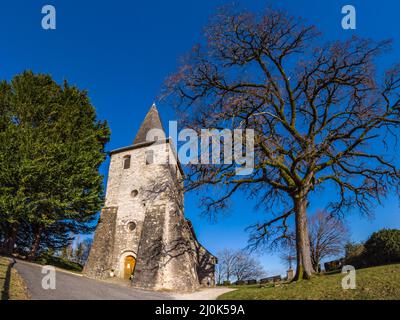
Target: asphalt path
69, 286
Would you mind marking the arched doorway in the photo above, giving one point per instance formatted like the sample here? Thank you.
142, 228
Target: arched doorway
129, 266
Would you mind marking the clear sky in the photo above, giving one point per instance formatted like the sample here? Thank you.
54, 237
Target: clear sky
121, 52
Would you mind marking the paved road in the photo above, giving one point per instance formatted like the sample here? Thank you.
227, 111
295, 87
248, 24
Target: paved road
76, 287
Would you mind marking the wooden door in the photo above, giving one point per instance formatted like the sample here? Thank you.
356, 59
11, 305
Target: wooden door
129, 266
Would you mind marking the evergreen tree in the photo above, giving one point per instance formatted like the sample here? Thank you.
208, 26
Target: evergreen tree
51, 147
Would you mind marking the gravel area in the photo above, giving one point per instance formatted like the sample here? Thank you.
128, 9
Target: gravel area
203, 294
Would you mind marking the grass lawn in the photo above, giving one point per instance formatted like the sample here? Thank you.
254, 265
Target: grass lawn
371, 283
12, 286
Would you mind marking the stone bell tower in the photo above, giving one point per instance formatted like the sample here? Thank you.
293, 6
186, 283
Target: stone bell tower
142, 233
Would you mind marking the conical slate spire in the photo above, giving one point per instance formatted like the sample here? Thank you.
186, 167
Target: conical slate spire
151, 121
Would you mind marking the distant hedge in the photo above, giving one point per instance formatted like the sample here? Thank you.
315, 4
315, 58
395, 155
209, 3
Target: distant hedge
60, 262
355, 255
383, 247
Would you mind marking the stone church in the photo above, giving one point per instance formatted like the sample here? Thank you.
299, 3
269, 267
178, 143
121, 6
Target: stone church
142, 233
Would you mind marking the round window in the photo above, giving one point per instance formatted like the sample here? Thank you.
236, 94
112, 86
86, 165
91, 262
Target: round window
131, 226
134, 193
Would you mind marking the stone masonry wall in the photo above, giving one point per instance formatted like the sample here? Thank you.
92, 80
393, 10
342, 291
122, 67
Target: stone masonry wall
205, 267
167, 253
150, 250
134, 191
179, 260
100, 257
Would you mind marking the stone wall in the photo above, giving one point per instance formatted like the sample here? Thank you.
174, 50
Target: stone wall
205, 267
163, 243
179, 261
99, 261
150, 253
134, 191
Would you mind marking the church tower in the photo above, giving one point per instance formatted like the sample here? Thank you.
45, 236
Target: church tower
142, 233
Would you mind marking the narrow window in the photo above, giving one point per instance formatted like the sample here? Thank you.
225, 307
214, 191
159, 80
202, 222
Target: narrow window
127, 162
134, 193
149, 157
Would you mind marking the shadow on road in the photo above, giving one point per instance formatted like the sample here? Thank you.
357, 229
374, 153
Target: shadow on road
5, 294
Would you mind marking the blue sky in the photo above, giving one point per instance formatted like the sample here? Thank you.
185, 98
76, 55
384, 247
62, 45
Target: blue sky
121, 52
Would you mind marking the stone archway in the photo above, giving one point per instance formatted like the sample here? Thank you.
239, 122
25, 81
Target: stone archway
127, 262
129, 267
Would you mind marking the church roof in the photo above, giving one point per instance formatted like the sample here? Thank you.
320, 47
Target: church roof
151, 121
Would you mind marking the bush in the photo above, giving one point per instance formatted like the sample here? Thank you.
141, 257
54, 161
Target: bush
353, 250
59, 262
383, 247
355, 255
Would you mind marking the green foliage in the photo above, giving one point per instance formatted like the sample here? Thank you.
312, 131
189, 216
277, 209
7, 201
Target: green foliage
60, 262
51, 148
353, 250
354, 255
383, 247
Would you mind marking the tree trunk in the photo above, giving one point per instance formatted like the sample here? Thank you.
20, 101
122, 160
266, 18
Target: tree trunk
8, 247
228, 275
316, 261
35, 245
304, 264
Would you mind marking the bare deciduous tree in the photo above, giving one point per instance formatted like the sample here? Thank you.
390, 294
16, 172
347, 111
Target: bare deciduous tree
238, 264
321, 116
328, 237
288, 256
82, 250
219, 273
247, 267
226, 261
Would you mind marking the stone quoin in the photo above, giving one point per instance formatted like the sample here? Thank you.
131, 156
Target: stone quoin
142, 233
